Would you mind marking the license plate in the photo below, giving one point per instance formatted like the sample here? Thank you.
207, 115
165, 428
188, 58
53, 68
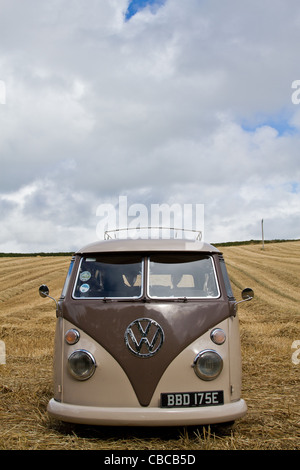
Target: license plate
192, 399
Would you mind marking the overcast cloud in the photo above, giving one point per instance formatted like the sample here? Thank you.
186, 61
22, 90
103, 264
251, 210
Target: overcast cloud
176, 102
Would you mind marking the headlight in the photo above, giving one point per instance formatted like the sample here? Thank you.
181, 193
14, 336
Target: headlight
81, 364
208, 364
218, 336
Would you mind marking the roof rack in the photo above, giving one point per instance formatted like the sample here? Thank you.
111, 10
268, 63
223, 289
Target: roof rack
110, 234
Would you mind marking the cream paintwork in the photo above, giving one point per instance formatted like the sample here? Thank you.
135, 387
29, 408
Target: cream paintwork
109, 386
145, 416
235, 358
180, 376
108, 398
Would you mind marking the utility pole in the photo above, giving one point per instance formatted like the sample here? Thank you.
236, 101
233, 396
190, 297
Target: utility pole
262, 234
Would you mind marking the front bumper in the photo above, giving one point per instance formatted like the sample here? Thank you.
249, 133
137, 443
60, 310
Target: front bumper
146, 416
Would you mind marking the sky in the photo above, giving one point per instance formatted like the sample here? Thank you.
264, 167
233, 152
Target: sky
162, 102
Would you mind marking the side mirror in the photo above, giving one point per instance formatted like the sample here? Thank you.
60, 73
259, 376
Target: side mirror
43, 290
247, 294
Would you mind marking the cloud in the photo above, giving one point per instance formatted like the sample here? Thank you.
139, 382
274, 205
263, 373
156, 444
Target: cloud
183, 101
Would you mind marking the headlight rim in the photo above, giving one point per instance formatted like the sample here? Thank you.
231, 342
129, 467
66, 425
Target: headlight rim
76, 336
198, 372
92, 368
214, 330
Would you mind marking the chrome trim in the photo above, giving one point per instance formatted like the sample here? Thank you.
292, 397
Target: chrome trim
135, 345
196, 370
107, 235
92, 369
211, 336
77, 336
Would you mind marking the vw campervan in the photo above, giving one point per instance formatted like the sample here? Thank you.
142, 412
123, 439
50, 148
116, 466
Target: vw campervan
147, 335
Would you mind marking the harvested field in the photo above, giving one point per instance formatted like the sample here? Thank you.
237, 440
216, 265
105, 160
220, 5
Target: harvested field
270, 324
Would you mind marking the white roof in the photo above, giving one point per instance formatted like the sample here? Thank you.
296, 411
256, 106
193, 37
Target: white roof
147, 245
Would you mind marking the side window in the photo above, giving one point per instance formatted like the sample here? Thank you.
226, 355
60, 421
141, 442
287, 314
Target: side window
67, 279
226, 279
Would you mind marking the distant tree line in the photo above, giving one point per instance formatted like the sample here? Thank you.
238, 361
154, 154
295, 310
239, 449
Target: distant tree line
2, 255
71, 253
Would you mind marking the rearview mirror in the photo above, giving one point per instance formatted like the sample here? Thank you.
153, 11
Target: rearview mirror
43, 290
247, 293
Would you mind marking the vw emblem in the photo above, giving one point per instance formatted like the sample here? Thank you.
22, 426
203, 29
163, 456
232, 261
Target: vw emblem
144, 337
